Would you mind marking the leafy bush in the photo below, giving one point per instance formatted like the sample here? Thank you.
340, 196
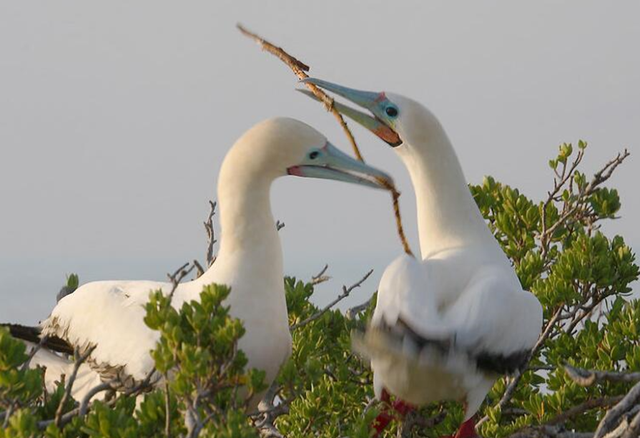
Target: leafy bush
581, 276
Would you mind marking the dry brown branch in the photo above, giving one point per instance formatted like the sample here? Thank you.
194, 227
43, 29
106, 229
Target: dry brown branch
569, 210
617, 418
549, 432
211, 236
199, 269
269, 411
300, 69
84, 405
511, 387
79, 360
353, 311
414, 420
634, 427
177, 277
167, 409
345, 293
587, 377
574, 411
320, 277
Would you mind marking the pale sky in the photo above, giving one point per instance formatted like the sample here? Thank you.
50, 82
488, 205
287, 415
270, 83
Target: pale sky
115, 117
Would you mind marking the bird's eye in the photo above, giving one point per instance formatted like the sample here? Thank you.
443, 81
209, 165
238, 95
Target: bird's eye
313, 155
391, 111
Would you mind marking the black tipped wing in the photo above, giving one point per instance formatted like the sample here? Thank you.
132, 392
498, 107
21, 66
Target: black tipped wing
33, 335
486, 361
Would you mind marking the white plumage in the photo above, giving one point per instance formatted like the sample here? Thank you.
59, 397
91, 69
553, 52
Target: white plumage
109, 314
446, 325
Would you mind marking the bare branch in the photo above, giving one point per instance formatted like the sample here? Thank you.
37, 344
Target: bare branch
549, 432
615, 423
355, 310
634, 427
34, 351
269, 411
300, 69
511, 388
79, 360
587, 377
345, 293
320, 277
570, 210
177, 277
84, 405
167, 408
577, 410
414, 420
211, 237
199, 269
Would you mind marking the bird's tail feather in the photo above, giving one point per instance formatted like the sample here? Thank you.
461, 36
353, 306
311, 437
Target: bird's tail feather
33, 335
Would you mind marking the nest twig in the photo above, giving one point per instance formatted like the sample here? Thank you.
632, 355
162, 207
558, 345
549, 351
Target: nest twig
300, 69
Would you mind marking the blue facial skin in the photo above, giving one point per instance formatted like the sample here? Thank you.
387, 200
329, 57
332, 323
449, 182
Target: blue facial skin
385, 112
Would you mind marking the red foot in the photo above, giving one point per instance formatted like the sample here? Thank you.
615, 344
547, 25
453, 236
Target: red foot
381, 422
384, 418
467, 429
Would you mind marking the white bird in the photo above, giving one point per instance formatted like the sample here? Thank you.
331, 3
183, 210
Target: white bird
447, 326
109, 314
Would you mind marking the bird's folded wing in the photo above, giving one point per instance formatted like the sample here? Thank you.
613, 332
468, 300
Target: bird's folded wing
493, 323
109, 316
496, 322
406, 298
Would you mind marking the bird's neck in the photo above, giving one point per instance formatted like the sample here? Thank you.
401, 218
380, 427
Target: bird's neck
447, 214
249, 243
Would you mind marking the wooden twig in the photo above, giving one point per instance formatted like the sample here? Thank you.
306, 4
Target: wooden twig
587, 377
345, 293
300, 69
199, 269
211, 236
546, 431
559, 183
167, 408
353, 311
86, 400
320, 277
574, 411
511, 387
177, 277
613, 416
79, 360
414, 420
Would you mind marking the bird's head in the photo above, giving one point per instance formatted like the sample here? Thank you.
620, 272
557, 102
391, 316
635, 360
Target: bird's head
282, 146
398, 120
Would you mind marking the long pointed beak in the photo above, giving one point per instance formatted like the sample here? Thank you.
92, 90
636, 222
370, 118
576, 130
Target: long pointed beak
336, 165
366, 99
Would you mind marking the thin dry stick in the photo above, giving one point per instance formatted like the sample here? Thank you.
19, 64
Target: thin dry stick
79, 360
345, 293
167, 408
300, 69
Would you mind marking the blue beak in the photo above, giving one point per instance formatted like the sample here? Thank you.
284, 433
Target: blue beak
332, 163
366, 99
